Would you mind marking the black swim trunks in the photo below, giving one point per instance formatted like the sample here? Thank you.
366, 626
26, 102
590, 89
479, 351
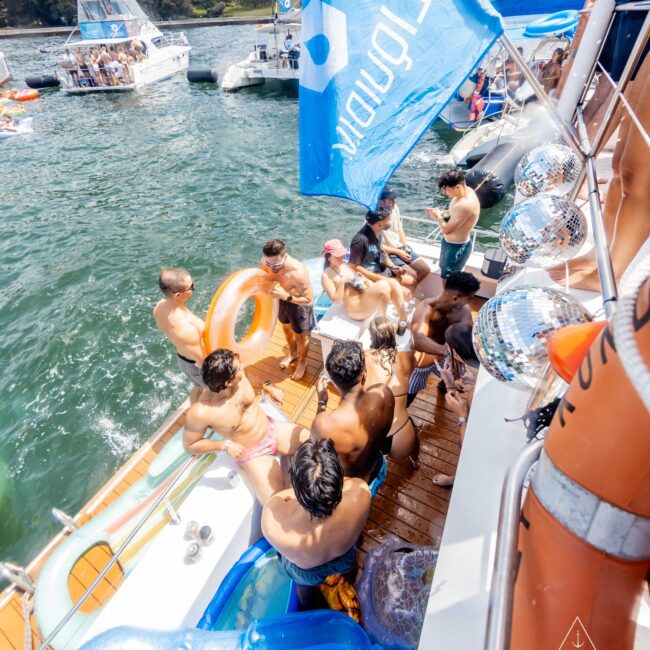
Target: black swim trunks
301, 317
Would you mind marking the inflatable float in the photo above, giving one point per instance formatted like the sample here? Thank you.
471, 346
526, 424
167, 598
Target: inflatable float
110, 527
26, 95
256, 587
333, 630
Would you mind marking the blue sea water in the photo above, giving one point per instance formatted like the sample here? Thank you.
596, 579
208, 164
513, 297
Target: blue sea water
106, 192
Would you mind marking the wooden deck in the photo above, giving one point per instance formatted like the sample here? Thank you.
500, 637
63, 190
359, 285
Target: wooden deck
409, 506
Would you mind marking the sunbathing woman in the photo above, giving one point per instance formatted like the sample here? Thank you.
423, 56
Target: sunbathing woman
360, 296
385, 364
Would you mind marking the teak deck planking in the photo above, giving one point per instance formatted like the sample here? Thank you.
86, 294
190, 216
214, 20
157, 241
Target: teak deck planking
409, 506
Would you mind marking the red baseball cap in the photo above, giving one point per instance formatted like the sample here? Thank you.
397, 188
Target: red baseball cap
334, 247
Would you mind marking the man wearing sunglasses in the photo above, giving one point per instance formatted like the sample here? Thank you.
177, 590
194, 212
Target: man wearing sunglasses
289, 282
183, 328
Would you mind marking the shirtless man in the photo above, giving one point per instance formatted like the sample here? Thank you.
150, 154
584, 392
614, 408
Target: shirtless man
430, 321
289, 281
463, 212
183, 329
231, 409
315, 524
363, 419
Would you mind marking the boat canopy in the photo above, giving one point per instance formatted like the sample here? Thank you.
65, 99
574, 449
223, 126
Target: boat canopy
91, 11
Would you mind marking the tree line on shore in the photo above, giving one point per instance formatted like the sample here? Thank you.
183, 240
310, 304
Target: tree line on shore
50, 13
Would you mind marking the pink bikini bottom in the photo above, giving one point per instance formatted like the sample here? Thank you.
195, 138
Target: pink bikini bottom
267, 445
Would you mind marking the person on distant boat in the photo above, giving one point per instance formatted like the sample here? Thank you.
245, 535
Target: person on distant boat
459, 375
431, 320
289, 282
552, 70
360, 297
230, 408
106, 65
8, 124
183, 328
124, 60
361, 422
394, 240
80, 58
315, 524
367, 258
514, 76
93, 60
385, 364
463, 214
115, 64
69, 63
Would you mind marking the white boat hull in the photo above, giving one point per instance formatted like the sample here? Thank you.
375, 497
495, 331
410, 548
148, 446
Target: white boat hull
238, 76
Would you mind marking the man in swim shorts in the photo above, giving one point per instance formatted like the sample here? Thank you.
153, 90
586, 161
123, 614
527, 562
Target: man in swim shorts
463, 213
230, 408
315, 524
183, 329
289, 282
362, 420
430, 321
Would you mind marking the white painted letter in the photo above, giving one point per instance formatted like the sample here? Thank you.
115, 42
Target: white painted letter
425, 9
356, 97
369, 92
399, 21
351, 148
403, 57
387, 71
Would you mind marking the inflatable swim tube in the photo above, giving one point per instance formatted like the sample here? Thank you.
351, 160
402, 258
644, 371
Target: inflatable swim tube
256, 586
557, 23
227, 302
26, 95
332, 630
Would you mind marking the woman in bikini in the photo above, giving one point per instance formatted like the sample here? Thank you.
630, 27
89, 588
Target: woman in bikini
360, 297
387, 365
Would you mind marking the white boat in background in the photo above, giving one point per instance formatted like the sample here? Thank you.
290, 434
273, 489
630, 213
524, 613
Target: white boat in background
24, 127
147, 54
275, 55
5, 75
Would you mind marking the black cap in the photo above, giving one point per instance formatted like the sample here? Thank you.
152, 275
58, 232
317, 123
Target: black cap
389, 193
375, 217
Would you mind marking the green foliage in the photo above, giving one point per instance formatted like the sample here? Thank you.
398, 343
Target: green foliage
216, 10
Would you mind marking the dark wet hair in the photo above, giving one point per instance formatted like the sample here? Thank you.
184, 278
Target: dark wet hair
378, 215
382, 338
451, 178
219, 368
327, 261
459, 339
345, 364
173, 279
273, 247
317, 477
462, 282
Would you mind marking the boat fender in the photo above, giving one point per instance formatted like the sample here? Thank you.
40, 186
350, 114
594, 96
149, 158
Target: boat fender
43, 81
557, 23
227, 303
297, 631
491, 177
584, 537
202, 76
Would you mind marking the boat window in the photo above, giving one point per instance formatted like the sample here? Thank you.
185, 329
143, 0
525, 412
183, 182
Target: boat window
91, 10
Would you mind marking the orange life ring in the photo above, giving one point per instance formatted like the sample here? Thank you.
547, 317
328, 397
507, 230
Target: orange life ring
222, 314
584, 539
26, 95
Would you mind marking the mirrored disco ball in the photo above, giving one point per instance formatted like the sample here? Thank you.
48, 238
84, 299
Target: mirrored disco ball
543, 231
512, 328
548, 168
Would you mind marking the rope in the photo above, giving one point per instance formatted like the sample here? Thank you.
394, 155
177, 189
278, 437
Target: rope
27, 606
623, 325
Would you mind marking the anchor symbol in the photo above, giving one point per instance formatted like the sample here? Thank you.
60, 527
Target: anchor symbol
577, 644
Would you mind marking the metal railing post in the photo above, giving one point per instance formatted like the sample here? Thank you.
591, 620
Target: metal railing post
499, 622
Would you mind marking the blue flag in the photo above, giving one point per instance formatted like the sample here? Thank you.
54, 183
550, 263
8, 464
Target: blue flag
285, 5
374, 76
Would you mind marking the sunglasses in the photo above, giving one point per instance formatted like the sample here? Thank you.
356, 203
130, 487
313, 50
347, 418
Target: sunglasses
190, 288
276, 266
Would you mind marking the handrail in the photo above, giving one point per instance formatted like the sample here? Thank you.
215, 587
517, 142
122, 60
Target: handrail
159, 499
499, 621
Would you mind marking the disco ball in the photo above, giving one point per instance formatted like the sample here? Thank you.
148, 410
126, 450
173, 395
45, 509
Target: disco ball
547, 168
543, 231
512, 328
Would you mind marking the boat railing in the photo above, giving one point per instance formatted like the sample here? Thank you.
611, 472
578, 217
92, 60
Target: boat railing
427, 233
499, 621
167, 39
161, 501
77, 77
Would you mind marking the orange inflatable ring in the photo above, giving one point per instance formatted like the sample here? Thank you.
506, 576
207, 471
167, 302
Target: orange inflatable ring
26, 95
222, 314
